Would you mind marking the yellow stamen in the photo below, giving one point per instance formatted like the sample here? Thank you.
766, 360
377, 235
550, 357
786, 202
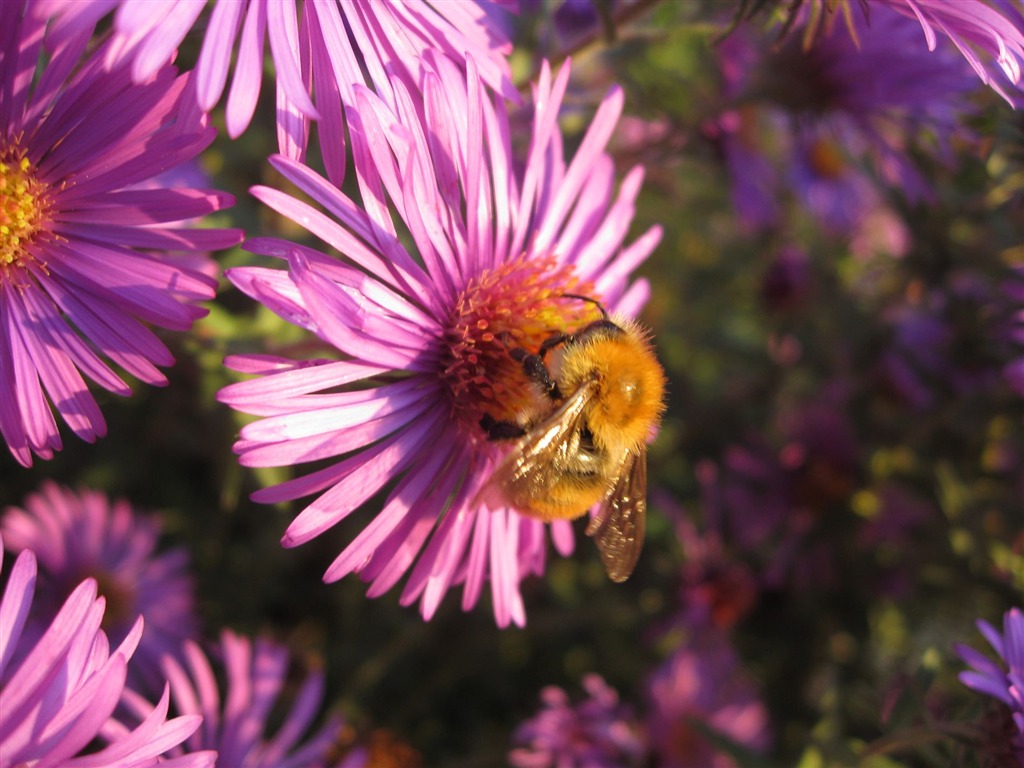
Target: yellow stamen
24, 205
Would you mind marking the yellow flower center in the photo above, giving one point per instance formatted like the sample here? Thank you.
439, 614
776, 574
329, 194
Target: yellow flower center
24, 205
517, 305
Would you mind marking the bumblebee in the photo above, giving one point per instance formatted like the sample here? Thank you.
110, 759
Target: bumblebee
601, 393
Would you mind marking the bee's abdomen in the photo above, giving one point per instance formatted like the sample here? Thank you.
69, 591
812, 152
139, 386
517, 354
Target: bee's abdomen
567, 497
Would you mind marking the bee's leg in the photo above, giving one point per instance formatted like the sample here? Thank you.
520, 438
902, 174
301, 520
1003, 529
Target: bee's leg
536, 370
553, 341
500, 430
534, 366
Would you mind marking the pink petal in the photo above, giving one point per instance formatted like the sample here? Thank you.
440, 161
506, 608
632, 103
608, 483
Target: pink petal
245, 86
215, 56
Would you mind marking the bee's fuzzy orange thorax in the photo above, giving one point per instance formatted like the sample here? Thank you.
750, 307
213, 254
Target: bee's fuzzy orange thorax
631, 381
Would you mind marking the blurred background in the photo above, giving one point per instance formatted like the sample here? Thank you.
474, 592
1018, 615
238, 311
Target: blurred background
837, 490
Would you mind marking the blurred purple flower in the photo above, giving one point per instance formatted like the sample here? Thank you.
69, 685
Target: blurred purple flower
717, 590
236, 721
751, 500
599, 732
934, 347
86, 259
573, 17
916, 356
1005, 681
1014, 373
786, 284
822, 454
747, 495
75, 536
649, 142
564, 27
829, 181
317, 48
897, 525
760, 486
380, 748
995, 28
1013, 330
700, 688
979, 29
425, 334
744, 135
883, 233
834, 123
58, 699
767, 501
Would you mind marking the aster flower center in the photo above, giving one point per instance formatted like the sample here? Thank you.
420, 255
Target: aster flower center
517, 305
801, 81
827, 160
23, 206
120, 610
686, 740
387, 751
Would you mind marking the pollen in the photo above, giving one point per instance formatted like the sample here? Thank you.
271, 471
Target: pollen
24, 207
517, 305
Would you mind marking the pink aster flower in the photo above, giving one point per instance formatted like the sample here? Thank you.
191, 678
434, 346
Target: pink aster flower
702, 687
235, 722
57, 694
317, 48
81, 535
599, 732
787, 284
85, 261
418, 338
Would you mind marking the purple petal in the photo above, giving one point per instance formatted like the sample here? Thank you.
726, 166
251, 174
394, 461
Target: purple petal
985, 684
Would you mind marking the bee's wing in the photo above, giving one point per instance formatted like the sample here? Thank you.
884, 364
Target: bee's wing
618, 526
539, 448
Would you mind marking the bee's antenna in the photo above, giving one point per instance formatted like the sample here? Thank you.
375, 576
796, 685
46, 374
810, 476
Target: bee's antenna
588, 299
